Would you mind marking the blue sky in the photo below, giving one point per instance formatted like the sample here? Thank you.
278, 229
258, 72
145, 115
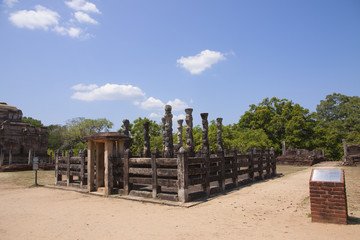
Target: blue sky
63, 59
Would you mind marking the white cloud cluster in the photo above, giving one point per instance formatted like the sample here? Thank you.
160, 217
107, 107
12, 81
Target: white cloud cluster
45, 19
198, 63
82, 87
10, 3
84, 18
109, 91
82, 5
41, 18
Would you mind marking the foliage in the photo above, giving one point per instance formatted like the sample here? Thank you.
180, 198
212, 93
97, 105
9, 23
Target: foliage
281, 120
33, 122
264, 125
137, 135
338, 118
71, 136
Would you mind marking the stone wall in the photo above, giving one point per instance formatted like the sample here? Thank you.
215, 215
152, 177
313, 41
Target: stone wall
300, 157
19, 141
351, 154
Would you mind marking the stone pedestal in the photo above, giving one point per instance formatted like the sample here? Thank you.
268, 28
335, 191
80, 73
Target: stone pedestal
328, 196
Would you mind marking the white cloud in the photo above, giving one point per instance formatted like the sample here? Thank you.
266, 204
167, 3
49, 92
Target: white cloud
82, 87
10, 3
71, 31
41, 18
110, 92
154, 115
152, 104
84, 18
198, 63
177, 117
82, 5
177, 105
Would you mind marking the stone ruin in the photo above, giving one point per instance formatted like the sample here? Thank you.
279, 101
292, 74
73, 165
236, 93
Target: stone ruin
300, 157
109, 168
19, 141
351, 153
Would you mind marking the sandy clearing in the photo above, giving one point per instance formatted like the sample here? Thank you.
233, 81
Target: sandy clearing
274, 209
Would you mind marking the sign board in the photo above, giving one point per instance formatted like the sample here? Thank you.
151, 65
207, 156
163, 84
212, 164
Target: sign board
326, 175
36, 163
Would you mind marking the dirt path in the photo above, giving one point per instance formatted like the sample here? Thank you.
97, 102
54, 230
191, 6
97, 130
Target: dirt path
275, 209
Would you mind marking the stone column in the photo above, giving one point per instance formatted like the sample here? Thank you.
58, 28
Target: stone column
127, 133
109, 178
90, 165
30, 157
147, 152
100, 164
220, 146
179, 134
164, 135
283, 148
169, 146
1, 157
205, 135
345, 150
189, 132
10, 156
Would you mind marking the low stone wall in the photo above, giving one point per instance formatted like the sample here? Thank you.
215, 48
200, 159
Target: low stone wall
300, 157
351, 154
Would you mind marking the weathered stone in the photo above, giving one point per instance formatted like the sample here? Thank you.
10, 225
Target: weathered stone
189, 132
147, 152
18, 139
179, 134
167, 135
127, 133
205, 135
219, 135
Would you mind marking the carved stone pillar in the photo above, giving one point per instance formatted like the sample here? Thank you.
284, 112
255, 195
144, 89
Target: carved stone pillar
219, 139
205, 135
164, 135
283, 148
179, 134
147, 152
169, 146
127, 133
189, 132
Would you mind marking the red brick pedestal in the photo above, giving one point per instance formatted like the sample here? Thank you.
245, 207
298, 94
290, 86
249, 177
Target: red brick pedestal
328, 196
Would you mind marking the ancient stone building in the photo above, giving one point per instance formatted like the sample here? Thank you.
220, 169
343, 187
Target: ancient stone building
300, 157
19, 141
351, 153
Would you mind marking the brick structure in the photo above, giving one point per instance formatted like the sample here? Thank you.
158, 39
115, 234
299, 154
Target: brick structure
351, 154
328, 196
19, 141
300, 157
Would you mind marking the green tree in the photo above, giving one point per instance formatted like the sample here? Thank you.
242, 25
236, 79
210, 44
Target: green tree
71, 136
33, 122
280, 119
137, 135
338, 118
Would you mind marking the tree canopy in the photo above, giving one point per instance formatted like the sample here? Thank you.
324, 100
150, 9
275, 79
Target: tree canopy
266, 124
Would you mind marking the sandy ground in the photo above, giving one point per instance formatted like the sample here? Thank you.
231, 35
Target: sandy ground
274, 209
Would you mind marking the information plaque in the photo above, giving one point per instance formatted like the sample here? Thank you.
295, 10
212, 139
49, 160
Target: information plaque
326, 175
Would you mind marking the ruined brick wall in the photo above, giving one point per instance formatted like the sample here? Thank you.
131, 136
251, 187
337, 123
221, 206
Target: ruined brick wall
300, 157
351, 154
19, 140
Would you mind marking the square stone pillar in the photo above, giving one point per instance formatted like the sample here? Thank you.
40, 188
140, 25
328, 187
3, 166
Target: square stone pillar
100, 163
90, 166
109, 178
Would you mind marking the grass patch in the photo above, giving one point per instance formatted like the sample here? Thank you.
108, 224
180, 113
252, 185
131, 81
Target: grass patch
27, 178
